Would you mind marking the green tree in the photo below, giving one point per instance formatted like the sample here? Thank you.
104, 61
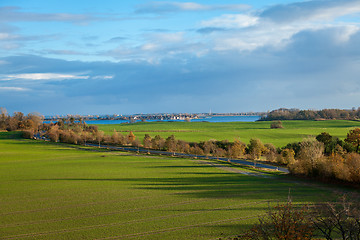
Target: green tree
286, 156
324, 137
353, 137
329, 142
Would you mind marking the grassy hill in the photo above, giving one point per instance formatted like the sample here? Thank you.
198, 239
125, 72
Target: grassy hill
293, 131
58, 191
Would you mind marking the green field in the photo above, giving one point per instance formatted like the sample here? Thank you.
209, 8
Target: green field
293, 131
58, 191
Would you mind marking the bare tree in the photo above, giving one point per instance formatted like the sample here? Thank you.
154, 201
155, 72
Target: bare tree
285, 221
339, 220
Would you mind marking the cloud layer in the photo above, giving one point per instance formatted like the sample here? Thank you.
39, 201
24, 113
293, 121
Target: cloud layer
229, 58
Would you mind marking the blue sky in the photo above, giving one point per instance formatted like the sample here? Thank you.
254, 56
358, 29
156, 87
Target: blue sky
123, 57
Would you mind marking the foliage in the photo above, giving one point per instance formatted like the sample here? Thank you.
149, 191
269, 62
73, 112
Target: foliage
171, 144
296, 114
339, 165
287, 157
237, 149
353, 137
256, 148
311, 151
324, 220
147, 141
331, 144
285, 221
131, 137
28, 134
276, 124
19, 121
339, 220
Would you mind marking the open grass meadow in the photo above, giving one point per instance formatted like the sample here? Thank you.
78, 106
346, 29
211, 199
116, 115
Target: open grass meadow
293, 131
59, 191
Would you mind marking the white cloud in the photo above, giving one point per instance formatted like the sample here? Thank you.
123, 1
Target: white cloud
190, 6
167, 7
16, 89
164, 42
103, 77
41, 76
149, 47
64, 52
6, 36
275, 26
231, 21
346, 33
317, 10
12, 14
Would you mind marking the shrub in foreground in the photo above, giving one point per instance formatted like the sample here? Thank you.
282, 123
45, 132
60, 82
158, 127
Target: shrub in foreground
329, 220
284, 221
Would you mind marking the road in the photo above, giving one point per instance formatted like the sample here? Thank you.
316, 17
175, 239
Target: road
185, 155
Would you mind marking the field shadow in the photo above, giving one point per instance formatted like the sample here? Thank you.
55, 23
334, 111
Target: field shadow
10, 135
181, 166
220, 186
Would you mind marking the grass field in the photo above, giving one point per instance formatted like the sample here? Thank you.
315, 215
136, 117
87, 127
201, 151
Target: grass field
57, 191
293, 131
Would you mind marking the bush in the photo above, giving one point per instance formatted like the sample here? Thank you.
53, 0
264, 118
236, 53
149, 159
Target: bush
276, 124
256, 148
311, 151
353, 163
330, 220
339, 220
286, 157
271, 152
285, 221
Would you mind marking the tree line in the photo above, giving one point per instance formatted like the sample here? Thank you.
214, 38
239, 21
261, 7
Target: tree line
296, 114
29, 124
